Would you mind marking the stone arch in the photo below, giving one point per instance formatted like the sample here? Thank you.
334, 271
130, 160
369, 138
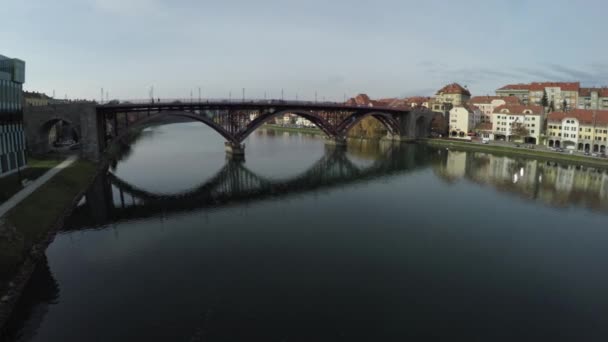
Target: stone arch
313, 117
581, 146
587, 147
596, 148
52, 125
387, 120
551, 143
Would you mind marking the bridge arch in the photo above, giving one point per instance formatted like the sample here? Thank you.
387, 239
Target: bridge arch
158, 117
54, 129
313, 117
387, 120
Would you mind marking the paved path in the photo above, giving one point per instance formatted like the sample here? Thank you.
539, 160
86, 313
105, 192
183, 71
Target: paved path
33, 186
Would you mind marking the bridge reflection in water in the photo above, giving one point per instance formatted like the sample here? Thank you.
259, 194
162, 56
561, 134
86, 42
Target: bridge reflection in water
112, 199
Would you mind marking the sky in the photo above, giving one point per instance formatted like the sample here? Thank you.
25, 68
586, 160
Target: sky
385, 48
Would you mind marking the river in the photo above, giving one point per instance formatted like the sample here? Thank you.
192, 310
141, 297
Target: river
306, 243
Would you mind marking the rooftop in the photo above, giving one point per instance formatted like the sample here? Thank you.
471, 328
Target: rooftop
454, 88
584, 116
519, 109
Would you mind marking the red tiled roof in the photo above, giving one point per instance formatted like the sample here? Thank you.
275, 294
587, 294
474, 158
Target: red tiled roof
584, 116
454, 88
489, 99
519, 109
565, 86
602, 92
516, 87
538, 86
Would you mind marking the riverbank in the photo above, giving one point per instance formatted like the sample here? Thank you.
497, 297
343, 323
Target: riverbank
507, 150
36, 167
314, 131
28, 228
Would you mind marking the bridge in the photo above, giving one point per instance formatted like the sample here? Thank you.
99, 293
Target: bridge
112, 199
100, 126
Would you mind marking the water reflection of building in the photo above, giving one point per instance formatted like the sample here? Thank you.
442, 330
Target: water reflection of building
546, 181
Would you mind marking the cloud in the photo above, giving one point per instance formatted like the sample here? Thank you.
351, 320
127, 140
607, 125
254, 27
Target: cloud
574, 74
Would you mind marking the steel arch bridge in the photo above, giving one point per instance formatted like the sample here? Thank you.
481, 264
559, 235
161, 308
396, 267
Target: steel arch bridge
235, 121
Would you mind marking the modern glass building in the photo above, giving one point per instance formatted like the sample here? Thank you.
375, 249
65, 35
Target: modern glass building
12, 136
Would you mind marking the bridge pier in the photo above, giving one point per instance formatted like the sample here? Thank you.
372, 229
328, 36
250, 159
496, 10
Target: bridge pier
234, 150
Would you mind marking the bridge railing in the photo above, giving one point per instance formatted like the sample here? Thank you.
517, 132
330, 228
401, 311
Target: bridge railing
165, 101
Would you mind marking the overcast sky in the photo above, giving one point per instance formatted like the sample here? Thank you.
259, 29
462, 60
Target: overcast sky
384, 48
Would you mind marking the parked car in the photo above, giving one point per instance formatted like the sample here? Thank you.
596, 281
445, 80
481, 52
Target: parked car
559, 150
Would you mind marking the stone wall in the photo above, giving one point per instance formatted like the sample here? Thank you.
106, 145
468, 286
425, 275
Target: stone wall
82, 117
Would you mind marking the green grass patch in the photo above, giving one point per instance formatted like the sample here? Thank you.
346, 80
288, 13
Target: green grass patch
506, 150
11, 184
31, 220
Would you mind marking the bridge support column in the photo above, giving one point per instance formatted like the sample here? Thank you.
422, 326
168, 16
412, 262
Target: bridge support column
234, 150
335, 141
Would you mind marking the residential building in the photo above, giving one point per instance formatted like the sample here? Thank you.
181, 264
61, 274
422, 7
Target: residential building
509, 121
532, 93
487, 104
12, 137
521, 91
32, 98
579, 129
463, 119
593, 98
448, 97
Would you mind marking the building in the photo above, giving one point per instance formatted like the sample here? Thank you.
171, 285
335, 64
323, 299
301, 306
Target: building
487, 104
518, 122
448, 97
463, 119
521, 91
579, 129
532, 93
593, 98
12, 136
32, 98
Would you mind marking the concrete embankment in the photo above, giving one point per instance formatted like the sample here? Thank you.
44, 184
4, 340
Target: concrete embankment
521, 151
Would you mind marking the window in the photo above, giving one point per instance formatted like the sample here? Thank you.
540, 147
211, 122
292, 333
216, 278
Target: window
573, 136
532, 131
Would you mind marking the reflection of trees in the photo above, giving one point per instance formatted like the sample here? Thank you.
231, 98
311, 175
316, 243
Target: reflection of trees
557, 185
41, 291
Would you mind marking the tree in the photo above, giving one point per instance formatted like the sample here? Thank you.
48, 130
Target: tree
519, 130
545, 100
564, 105
551, 107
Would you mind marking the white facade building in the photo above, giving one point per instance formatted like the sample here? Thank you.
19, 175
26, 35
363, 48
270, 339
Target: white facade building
463, 120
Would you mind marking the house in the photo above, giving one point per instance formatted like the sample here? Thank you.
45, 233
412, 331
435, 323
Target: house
580, 129
518, 123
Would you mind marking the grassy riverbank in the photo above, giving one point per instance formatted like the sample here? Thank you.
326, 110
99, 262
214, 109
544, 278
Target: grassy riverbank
11, 184
507, 150
31, 221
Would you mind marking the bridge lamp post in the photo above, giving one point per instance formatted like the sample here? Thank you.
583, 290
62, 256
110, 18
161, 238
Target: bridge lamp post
199, 94
243, 94
315, 97
282, 97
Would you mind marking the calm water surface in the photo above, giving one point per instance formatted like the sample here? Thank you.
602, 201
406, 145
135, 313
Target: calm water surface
304, 243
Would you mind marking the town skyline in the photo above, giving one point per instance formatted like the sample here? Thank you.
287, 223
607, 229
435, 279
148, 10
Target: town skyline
78, 47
